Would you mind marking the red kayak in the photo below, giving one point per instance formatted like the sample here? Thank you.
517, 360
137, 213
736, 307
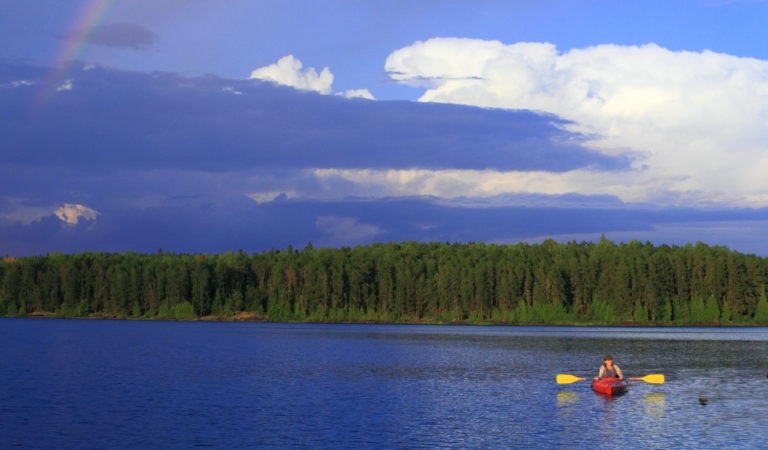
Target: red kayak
610, 386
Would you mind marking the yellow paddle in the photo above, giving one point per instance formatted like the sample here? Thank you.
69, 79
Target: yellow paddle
565, 378
654, 378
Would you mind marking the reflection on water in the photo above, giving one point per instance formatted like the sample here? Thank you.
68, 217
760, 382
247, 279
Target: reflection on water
566, 398
654, 404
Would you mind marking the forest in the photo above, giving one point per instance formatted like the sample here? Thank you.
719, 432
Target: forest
587, 283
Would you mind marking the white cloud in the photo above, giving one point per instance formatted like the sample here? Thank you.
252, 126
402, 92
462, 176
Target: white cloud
65, 86
71, 213
288, 71
346, 229
231, 90
451, 184
17, 210
698, 121
357, 93
270, 196
17, 84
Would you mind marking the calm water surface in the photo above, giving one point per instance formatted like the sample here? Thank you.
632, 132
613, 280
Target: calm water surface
108, 384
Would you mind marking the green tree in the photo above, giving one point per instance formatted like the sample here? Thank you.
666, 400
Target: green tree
761, 309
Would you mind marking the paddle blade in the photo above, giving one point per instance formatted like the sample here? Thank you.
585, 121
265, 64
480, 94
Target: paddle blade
564, 378
654, 378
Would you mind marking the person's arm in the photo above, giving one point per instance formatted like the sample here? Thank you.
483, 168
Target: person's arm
600, 373
618, 372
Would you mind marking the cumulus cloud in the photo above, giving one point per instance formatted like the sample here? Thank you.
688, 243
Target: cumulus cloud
288, 71
71, 213
696, 123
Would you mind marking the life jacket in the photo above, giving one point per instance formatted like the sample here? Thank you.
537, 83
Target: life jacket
610, 373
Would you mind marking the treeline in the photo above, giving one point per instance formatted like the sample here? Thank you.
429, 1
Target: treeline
547, 283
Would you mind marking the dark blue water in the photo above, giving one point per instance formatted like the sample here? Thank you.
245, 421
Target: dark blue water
127, 384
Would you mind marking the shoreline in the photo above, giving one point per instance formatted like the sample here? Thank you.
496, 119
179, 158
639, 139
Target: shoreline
255, 318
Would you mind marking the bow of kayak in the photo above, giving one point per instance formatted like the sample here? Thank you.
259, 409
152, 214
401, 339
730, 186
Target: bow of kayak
610, 386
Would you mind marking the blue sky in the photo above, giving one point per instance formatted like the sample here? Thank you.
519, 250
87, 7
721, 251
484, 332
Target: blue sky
208, 126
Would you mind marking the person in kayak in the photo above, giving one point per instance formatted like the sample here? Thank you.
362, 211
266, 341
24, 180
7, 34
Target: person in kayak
609, 369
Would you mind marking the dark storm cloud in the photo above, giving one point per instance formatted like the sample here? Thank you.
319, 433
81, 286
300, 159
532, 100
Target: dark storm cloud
120, 35
112, 119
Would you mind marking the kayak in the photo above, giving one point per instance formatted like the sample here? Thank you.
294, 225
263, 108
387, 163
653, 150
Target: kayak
610, 386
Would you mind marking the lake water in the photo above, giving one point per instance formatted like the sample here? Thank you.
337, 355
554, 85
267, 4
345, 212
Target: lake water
133, 384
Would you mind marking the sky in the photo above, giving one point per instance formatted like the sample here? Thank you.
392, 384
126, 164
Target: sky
205, 126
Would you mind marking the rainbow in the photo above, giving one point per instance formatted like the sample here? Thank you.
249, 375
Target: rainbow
91, 14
